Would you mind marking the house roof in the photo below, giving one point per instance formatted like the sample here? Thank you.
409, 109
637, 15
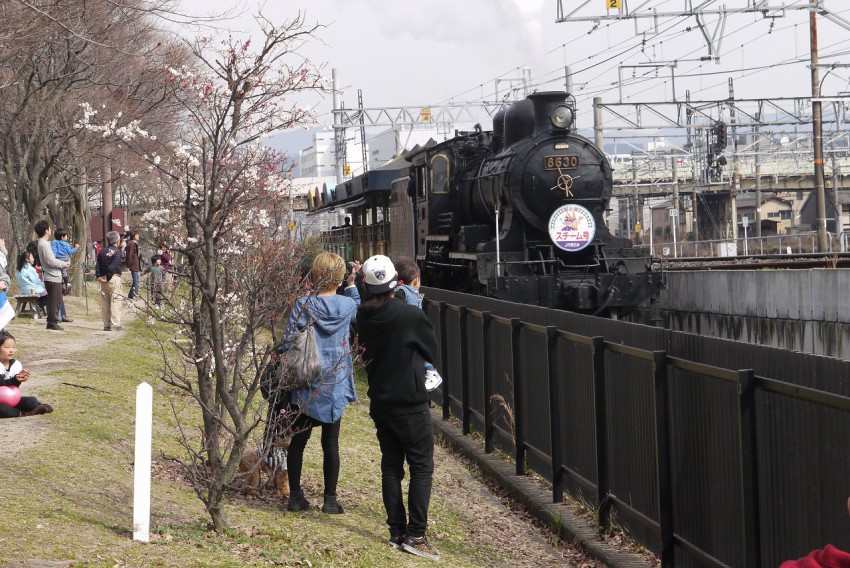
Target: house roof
749, 199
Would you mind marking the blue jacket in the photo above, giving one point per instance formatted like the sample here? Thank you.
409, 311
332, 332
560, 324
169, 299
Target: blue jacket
28, 280
61, 249
410, 296
332, 315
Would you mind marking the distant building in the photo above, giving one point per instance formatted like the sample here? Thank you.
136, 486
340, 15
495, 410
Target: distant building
387, 145
319, 159
777, 214
808, 212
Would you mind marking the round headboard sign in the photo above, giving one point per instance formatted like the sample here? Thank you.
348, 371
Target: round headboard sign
571, 227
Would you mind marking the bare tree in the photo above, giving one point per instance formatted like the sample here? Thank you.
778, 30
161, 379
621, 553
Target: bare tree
99, 51
243, 271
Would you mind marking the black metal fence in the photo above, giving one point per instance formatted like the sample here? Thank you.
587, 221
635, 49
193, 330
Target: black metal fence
709, 452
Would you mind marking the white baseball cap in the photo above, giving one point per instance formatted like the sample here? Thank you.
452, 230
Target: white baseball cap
379, 274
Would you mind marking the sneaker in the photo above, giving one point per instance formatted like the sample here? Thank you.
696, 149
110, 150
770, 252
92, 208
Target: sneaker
55, 327
432, 380
66, 319
419, 546
397, 541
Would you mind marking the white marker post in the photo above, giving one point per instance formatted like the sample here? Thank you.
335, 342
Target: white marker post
142, 467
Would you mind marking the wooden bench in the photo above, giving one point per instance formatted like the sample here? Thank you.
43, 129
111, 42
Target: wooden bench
27, 304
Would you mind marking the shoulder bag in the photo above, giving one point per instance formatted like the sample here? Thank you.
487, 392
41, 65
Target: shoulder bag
300, 365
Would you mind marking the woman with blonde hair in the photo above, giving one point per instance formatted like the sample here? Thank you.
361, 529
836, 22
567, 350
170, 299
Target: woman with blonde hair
323, 403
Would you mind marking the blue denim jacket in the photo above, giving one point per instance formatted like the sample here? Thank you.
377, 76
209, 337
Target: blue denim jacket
411, 295
332, 315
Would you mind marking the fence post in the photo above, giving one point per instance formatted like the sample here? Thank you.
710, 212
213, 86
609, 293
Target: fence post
516, 369
142, 464
464, 372
665, 478
487, 370
749, 467
555, 413
444, 360
601, 414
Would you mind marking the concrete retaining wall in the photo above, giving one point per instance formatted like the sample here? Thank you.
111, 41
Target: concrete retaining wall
803, 310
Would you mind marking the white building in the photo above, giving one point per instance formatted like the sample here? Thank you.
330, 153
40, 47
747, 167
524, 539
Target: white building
387, 145
319, 160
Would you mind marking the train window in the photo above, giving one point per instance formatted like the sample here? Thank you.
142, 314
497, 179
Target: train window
439, 174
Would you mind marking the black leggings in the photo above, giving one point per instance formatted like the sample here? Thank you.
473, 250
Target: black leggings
330, 448
27, 404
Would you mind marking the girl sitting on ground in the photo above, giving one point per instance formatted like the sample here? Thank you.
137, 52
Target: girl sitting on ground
12, 374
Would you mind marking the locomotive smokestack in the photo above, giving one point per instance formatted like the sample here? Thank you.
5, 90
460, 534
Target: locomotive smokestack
499, 131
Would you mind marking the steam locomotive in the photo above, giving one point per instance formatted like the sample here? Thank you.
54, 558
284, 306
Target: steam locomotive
514, 213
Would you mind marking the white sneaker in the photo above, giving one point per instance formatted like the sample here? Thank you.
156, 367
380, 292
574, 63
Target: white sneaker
432, 380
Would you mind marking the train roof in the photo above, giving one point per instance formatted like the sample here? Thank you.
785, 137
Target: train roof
359, 189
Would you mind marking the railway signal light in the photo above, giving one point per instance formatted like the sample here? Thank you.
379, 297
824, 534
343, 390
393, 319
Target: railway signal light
720, 141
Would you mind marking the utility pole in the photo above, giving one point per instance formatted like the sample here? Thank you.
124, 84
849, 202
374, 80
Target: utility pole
758, 177
362, 132
597, 123
106, 197
817, 129
339, 131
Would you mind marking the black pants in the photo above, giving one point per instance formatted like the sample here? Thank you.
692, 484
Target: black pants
54, 301
26, 404
330, 448
409, 437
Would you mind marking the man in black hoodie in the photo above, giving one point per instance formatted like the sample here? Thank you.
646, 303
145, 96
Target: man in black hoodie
398, 339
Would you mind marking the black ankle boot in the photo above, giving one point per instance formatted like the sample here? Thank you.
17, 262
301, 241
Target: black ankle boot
297, 502
331, 506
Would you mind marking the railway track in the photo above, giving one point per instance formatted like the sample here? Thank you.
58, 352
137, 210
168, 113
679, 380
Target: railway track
755, 262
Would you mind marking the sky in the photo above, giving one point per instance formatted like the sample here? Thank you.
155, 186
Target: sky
429, 53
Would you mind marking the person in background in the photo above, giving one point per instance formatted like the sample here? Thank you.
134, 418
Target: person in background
323, 403
133, 261
12, 374
167, 265
156, 280
7, 312
29, 283
4, 255
63, 251
52, 274
397, 341
108, 273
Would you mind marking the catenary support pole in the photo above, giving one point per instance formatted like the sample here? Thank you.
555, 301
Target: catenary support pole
142, 464
817, 129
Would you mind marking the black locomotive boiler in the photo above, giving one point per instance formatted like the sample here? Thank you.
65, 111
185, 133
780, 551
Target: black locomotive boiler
515, 213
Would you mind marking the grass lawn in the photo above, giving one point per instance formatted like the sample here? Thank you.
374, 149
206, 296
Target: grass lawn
68, 490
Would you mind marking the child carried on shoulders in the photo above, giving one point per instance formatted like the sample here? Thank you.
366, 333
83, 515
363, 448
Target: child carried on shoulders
409, 280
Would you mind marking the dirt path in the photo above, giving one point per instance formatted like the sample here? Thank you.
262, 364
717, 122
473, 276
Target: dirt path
43, 352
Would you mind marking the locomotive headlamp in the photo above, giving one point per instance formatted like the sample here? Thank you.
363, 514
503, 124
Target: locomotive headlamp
561, 116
